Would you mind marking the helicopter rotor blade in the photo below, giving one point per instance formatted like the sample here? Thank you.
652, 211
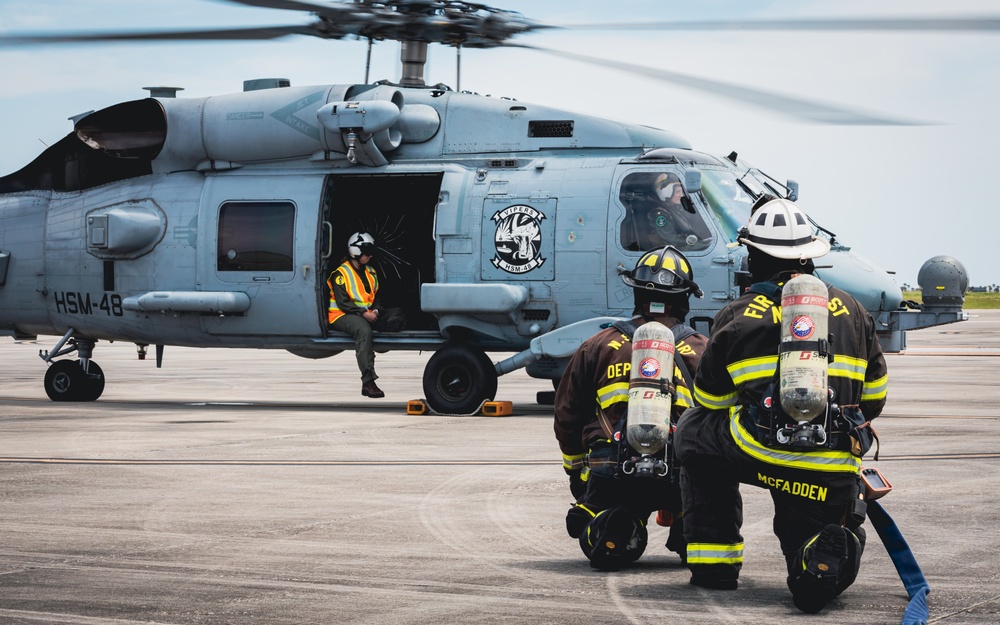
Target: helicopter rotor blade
292, 5
225, 34
796, 107
932, 24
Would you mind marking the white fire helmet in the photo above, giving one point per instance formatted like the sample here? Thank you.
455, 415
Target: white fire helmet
779, 228
360, 243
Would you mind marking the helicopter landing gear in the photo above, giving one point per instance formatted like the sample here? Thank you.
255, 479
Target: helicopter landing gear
73, 380
66, 380
458, 378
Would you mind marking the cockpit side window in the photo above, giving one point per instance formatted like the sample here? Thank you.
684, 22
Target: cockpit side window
658, 212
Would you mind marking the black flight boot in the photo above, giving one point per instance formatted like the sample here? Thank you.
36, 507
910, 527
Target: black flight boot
370, 389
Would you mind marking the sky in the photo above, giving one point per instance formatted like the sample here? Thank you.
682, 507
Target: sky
898, 195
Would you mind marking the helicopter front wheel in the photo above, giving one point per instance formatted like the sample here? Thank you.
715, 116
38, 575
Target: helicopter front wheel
65, 380
458, 378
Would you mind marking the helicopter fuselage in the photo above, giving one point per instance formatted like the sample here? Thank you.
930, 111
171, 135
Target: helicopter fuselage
216, 222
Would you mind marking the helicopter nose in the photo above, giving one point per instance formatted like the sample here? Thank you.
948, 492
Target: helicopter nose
872, 286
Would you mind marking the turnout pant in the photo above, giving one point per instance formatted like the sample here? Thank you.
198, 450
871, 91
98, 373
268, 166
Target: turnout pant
809, 489
641, 496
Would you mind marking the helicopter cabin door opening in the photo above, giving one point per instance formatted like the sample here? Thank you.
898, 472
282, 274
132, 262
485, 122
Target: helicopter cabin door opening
262, 239
398, 211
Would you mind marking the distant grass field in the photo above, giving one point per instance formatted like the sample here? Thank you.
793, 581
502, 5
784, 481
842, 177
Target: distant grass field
972, 300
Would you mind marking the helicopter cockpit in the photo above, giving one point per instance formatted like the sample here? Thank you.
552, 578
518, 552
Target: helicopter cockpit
659, 212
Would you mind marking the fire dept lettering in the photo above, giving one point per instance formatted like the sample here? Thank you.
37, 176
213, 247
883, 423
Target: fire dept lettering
619, 370
761, 304
799, 489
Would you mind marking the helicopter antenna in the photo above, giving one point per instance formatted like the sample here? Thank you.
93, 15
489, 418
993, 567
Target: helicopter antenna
368, 61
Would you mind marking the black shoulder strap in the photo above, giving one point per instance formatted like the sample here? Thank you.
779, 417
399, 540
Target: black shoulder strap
626, 327
681, 332
769, 289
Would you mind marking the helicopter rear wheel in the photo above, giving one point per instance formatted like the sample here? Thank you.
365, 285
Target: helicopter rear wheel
65, 380
458, 379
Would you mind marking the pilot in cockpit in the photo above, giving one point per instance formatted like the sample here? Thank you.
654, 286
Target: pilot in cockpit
661, 214
674, 221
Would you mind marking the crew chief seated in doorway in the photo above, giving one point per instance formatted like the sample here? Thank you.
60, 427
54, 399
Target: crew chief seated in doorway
353, 308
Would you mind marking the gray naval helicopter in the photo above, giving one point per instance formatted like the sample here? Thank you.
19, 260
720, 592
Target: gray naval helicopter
215, 221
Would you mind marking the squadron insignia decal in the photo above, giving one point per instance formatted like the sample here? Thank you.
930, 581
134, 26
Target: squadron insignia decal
518, 239
287, 115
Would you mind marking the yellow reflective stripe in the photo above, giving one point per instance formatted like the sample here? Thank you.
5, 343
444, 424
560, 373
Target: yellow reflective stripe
828, 461
753, 369
572, 459
714, 553
355, 289
683, 398
612, 394
715, 402
847, 367
805, 550
875, 389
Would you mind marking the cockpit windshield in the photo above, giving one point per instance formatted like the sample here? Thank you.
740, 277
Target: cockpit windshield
730, 198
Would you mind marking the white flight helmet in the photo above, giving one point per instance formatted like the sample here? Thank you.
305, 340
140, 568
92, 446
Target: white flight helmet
360, 243
780, 228
664, 186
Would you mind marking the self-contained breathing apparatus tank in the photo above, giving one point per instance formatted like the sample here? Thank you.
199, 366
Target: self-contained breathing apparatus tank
803, 356
650, 398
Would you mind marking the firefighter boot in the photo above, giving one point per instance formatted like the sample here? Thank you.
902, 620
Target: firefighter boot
823, 563
577, 519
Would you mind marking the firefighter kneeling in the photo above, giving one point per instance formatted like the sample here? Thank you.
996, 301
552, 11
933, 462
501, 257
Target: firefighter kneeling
618, 466
787, 388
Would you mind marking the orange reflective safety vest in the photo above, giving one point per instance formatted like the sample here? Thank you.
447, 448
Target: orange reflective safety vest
346, 277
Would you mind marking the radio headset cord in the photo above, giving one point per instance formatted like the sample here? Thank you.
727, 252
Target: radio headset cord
906, 565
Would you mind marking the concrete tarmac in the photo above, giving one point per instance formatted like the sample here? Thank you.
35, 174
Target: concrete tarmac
255, 487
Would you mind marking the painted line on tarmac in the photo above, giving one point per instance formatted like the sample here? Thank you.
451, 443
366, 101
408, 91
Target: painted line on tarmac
939, 416
278, 463
390, 463
972, 455
957, 350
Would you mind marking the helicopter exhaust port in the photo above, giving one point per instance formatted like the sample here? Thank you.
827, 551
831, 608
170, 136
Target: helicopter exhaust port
376, 123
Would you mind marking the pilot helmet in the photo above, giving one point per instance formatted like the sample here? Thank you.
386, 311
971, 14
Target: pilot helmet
663, 270
780, 229
665, 185
360, 243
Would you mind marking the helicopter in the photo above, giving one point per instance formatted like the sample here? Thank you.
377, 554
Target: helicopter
501, 226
